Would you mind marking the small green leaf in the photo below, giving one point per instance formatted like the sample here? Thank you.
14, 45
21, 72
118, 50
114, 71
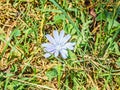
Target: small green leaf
9, 74
116, 49
101, 16
6, 83
118, 62
112, 23
59, 18
10, 87
58, 68
71, 29
117, 79
51, 74
14, 68
17, 32
72, 55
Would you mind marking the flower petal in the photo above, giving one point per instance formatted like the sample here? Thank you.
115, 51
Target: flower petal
65, 39
62, 33
56, 53
56, 35
47, 45
47, 55
64, 53
50, 38
50, 49
69, 45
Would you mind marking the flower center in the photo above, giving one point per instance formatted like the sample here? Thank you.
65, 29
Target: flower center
58, 47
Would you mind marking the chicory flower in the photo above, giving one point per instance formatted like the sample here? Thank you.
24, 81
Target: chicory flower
58, 44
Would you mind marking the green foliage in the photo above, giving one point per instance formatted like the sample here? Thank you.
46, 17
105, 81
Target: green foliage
118, 62
95, 62
51, 74
59, 19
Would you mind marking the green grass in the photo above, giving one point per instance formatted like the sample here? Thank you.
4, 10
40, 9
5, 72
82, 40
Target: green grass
93, 65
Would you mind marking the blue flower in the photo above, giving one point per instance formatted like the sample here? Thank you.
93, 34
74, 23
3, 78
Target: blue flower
58, 44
